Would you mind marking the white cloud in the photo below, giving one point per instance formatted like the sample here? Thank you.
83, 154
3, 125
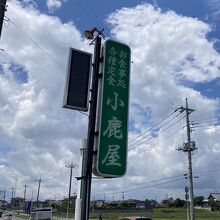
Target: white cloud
38, 137
54, 4
166, 49
34, 125
215, 8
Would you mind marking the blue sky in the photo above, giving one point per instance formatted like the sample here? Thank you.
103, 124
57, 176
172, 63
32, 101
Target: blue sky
175, 53
87, 14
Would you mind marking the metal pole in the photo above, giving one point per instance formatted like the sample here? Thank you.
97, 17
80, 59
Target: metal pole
38, 191
78, 208
70, 184
31, 200
2, 13
4, 194
12, 193
15, 186
87, 170
188, 212
25, 186
190, 179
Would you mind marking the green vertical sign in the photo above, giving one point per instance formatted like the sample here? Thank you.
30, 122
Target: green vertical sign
113, 122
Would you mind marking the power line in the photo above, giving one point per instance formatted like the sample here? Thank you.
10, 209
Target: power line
38, 45
152, 181
144, 148
208, 119
159, 184
153, 130
163, 140
163, 119
207, 127
56, 174
144, 142
57, 177
139, 184
42, 49
87, 13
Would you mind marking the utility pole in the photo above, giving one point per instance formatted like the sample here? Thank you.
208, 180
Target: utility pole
2, 13
31, 199
4, 195
189, 147
25, 186
16, 178
12, 195
71, 166
38, 191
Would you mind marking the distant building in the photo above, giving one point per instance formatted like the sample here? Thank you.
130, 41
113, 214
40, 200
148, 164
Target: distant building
215, 197
3, 204
97, 203
17, 203
50, 202
73, 201
113, 204
39, 205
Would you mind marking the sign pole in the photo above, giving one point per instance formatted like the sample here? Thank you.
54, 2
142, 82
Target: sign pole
87, 168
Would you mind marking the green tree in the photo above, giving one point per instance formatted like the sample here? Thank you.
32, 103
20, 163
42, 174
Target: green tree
177, 203
64, 205
198, 200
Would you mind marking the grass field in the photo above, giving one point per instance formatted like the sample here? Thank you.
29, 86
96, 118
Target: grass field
162, 214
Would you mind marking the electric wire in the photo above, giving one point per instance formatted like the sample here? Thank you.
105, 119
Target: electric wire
56, 174
38, 45
152, 130
42, 49
87, 13
131, 148
53, 58
207, 125
144, 148
162, 141
139, 184
57, 177
202, 174
159, 184
163, 119
210, 119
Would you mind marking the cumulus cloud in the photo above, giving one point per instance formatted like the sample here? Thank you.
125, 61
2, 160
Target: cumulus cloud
38, 137
54, 4
167, 50
215, 8
36, 49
